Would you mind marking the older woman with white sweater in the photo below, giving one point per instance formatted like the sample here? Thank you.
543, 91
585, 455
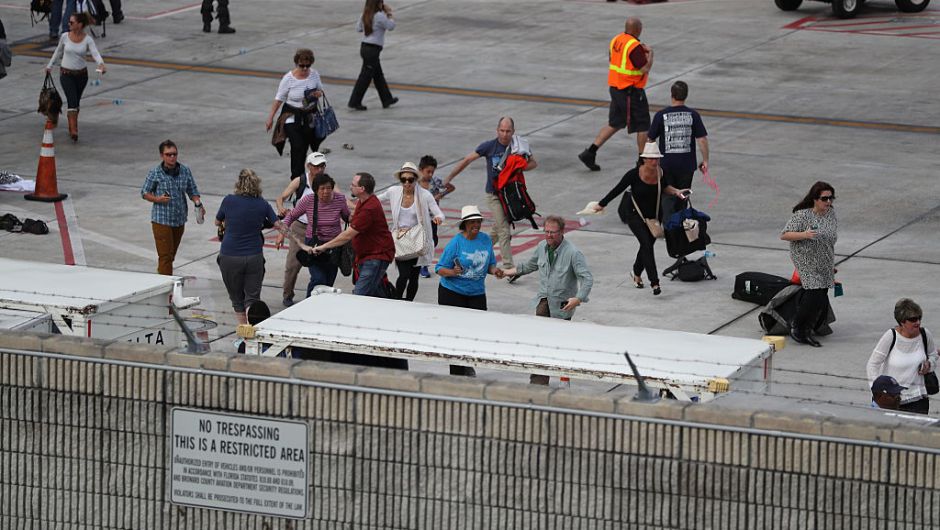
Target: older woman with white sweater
411, 206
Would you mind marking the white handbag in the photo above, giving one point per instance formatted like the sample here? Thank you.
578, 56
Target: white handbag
411, 242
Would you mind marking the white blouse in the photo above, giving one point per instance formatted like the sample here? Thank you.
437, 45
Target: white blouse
291, 90
73, 53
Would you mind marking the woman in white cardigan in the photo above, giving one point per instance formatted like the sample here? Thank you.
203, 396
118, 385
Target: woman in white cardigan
411, 205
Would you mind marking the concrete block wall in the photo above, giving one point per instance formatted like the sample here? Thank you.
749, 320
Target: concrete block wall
84, 428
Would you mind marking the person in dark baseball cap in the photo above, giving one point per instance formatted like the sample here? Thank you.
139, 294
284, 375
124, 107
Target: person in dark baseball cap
886, 392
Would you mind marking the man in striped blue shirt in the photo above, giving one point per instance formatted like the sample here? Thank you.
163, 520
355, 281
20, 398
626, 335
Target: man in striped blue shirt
167, 186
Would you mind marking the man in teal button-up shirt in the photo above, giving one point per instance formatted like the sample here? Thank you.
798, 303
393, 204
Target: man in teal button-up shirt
564, 279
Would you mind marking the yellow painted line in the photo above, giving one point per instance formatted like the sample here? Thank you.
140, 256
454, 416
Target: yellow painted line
34, 50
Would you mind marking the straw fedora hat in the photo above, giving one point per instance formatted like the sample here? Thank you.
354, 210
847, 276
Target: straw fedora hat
469, 213
651, 150
407, 167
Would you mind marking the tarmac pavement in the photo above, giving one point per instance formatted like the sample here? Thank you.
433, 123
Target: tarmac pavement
783, 106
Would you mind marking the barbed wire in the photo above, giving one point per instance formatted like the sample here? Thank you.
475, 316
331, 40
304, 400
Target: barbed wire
438, 335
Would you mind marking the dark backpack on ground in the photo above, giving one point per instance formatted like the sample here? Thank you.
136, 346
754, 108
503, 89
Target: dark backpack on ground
690, 271
757, 287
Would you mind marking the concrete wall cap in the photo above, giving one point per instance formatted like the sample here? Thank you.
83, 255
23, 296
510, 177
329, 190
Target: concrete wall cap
716, 415
22, 340
217, 360
665, 409
389, 378
142, 353
453, 386
857, 430
78, 346
784, 422
184, 360
567, 399
258, 365
517, 392
927, 437
342, 374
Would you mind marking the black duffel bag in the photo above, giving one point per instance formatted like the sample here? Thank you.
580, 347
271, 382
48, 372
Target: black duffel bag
758, 287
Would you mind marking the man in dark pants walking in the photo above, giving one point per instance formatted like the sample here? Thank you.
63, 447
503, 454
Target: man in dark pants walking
222, 16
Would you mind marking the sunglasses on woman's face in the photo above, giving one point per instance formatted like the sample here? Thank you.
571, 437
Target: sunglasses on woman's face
827, 198
305, 65
407, 180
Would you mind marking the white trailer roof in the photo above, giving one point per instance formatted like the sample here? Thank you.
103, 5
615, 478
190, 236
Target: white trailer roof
73, 288
344, 322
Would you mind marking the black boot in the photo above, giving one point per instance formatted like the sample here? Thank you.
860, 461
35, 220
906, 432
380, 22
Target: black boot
812, 339
588, 157
799, 335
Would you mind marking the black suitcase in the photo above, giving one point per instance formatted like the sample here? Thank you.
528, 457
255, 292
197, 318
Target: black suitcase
758, 287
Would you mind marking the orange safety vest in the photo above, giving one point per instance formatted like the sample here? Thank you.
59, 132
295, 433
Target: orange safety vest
623, 73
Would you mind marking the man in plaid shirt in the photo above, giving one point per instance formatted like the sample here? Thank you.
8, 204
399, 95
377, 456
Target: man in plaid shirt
167, 186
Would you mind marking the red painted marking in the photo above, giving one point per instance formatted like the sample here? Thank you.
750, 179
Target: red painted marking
64, 232
877, 24
799, 23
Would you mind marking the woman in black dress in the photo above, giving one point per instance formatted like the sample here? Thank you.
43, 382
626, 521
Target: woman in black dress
645, 183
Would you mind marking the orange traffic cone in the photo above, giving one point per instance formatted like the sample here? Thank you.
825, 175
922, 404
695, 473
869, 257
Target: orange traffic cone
46, 188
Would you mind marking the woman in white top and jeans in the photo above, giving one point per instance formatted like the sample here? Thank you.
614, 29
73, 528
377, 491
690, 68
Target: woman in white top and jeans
298, 93
73, 71
375, 21
900, 353
411, 205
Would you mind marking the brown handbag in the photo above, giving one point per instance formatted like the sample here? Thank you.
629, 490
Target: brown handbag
50, 102
656, 227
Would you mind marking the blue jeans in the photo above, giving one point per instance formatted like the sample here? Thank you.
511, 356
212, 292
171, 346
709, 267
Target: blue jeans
56, 18
371, 274
321, 273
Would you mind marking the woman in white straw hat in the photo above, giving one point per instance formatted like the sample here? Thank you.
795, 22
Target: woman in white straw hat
463, 267
411, 206
646, 186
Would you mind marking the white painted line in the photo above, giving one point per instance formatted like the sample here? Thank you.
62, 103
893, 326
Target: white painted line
169, 12
78, 250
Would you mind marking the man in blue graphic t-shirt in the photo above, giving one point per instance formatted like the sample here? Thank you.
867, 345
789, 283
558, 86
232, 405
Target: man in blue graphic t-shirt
677, 128
494, 152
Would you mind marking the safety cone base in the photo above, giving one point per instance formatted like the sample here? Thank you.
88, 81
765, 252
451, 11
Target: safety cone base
46, 188
46, 198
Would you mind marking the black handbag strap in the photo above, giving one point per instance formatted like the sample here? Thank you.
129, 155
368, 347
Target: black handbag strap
923, 337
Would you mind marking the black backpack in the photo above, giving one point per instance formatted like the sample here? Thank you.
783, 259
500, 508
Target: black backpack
95, 10
758, 287
40, 9
690, 271
517, 204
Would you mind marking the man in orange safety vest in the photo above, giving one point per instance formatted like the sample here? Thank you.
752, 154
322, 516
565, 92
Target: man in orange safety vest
630, 63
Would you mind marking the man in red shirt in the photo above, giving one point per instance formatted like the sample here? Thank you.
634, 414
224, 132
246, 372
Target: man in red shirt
628, 72
371, 241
